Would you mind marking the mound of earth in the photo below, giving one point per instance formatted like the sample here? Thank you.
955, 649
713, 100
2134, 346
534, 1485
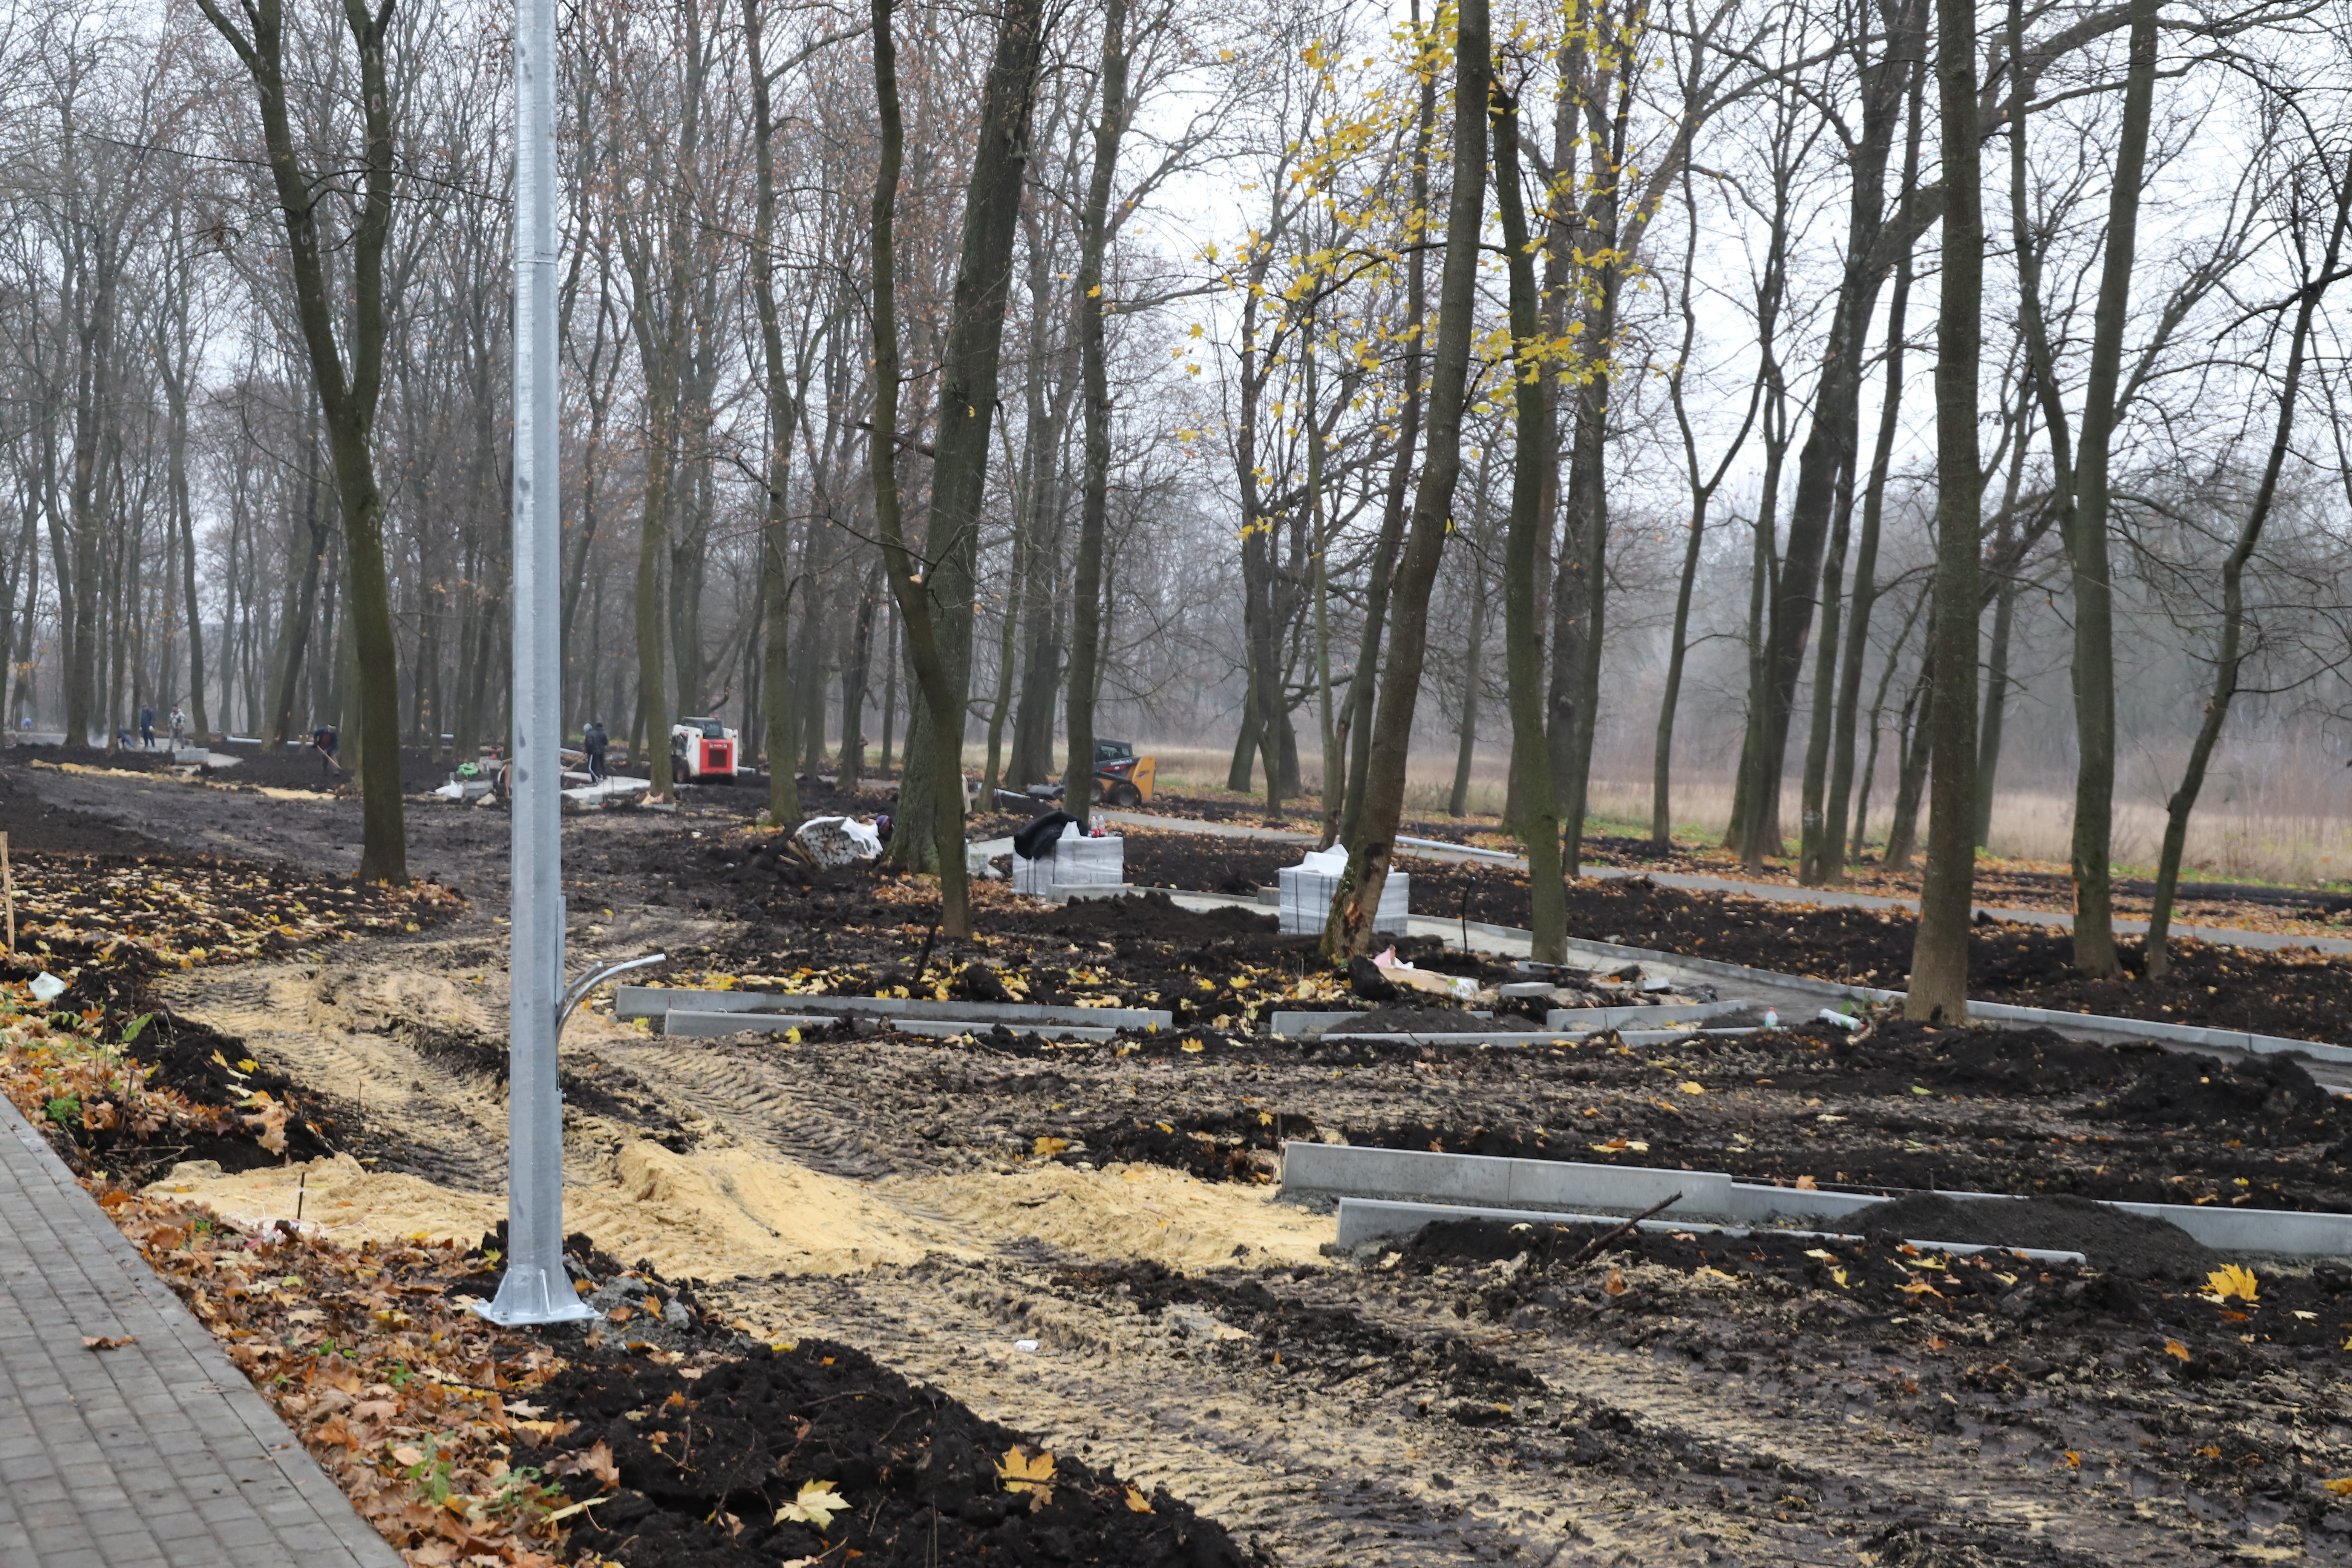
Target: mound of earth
1148, 917
2260, 1095
2134, 1246
712, 1461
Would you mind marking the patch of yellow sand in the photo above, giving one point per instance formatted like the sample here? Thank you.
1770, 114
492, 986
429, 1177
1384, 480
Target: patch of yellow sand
723, 1213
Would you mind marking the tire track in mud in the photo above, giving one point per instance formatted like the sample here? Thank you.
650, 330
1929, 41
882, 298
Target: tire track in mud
1342, 1475
446, 1115
1871, 1467
766, 1096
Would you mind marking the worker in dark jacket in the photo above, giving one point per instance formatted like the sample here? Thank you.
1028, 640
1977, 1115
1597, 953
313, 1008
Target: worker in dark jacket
593, 740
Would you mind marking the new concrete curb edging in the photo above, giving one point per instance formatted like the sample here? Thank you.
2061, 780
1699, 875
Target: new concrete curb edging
1560, 1186
654, 1001
1365, 1220
1983, 1012
681, 1023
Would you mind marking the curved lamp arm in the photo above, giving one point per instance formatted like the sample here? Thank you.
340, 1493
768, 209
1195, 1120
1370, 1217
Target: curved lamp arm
578, 991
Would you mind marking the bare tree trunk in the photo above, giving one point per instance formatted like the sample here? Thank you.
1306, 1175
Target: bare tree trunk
1093, 222
1866, 591
1940, 953
854, 680
1537, 824
1702, 497
1827, 458
1912, 758
1473, 657
1355, 722
1878, 712
939, 643
294, 623
1237, 773
776, 532
1349, 930
1996, 700
890, 657
2095, 653
347, 395
171, 363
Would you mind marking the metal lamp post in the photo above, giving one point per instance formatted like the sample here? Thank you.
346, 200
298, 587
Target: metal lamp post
536, 1288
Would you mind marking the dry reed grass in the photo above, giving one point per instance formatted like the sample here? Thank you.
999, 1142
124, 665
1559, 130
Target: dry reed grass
2258, 838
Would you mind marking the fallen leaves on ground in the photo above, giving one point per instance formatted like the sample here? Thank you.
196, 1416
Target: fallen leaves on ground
187, 912
1025, 1472
816, 1505
54, 1067
2231, 1282
410, 1404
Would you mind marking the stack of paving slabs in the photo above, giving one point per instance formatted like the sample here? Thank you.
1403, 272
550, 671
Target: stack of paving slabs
1307, 888
1074, 861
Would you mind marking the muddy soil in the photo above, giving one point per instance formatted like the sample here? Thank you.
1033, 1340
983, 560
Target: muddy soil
34, 823
710, 1457
1492, 1397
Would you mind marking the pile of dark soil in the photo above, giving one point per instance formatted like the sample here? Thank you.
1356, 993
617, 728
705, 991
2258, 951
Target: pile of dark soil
708, 1455
2134, 1246
2052, 1324
34, 827
1145, 917
2145, 1281
2264, 1095
1197, 863
1898, 1055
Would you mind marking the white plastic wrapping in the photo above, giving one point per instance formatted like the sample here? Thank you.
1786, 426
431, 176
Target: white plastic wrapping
1308, 888
1074, 862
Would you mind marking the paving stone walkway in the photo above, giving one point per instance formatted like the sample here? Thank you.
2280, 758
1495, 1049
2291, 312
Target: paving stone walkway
157, 1454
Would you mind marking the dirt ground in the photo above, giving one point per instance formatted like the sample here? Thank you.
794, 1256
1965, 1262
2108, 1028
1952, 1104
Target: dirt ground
2293, 992
1085, 1244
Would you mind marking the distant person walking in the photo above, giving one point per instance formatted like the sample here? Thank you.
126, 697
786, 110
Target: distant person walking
593, 740
147, 726
179, 728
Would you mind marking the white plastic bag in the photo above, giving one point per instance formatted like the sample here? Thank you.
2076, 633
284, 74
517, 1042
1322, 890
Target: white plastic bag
838, 840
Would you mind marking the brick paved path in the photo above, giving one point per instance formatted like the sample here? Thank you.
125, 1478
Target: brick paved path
153, 1455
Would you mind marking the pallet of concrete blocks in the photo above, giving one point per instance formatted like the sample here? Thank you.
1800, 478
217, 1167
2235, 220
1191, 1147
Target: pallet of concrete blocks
1308, 888
1073, 860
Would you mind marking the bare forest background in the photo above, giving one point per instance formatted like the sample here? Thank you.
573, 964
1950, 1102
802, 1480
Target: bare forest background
1211, 240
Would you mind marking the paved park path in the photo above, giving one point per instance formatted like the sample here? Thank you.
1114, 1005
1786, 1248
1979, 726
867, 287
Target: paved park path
157, 1454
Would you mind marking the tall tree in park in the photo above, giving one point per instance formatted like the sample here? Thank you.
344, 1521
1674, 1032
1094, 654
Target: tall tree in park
1940, 953
348, 389
1349, 931
2086, 543
1531, 370
775, 526
1085, 607
935, 597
